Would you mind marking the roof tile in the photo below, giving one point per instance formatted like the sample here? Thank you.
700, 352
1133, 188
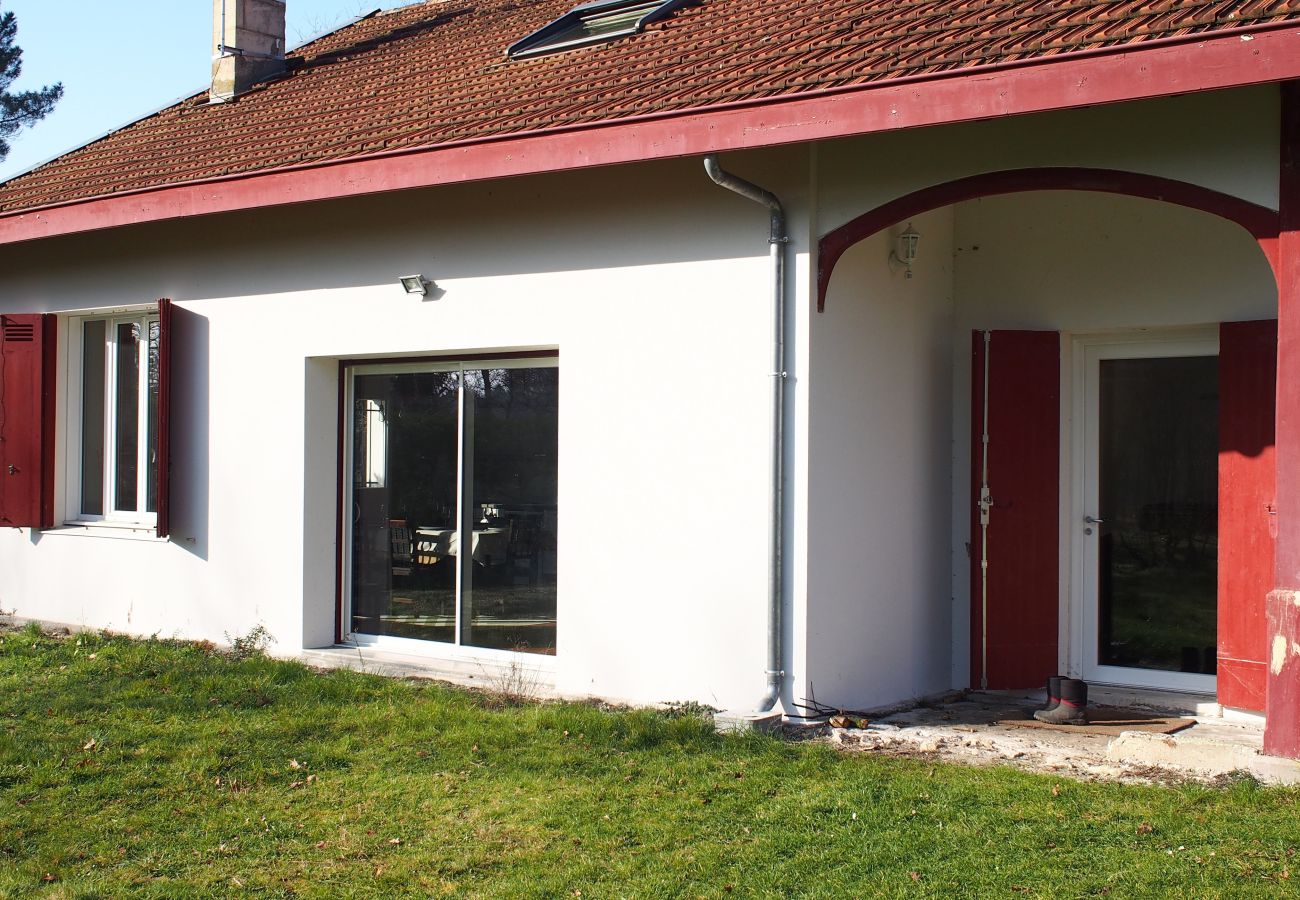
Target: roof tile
436, 72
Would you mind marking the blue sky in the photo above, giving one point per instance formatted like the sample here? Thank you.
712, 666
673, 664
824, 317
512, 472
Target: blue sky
123, 59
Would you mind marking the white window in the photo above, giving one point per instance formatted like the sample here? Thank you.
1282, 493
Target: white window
113, 416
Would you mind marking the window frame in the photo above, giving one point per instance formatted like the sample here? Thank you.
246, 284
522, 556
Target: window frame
547, 39
141, 517
349, 370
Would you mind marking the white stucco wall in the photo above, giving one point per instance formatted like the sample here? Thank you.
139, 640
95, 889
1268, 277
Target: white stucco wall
882, 562
1227, 141
651, 283
879, 492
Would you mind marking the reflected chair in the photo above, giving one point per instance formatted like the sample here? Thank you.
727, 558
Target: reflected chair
399, 535
521, 554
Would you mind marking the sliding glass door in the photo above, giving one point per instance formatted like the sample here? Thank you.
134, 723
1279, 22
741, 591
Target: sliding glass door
445, 457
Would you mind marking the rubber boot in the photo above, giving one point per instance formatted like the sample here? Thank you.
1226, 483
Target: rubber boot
1072, 710
1053, 693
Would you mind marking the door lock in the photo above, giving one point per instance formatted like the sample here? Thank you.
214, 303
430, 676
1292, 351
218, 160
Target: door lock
1090, 521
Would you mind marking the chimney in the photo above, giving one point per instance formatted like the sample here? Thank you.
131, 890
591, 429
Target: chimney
247, 45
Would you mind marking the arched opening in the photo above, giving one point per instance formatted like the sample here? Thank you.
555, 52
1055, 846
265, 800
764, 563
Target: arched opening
1260, 221
1115, 324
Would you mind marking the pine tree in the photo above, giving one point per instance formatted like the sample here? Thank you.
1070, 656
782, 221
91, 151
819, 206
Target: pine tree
18, 110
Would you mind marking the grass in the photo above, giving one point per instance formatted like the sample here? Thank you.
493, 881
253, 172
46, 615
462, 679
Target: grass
161, 769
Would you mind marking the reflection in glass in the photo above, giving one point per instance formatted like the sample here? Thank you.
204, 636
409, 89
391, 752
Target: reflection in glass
92, 418
1158, 487
127, 420
511, 446
404, 504
443, 461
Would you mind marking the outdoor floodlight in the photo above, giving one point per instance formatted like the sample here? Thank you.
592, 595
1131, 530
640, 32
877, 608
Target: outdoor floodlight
415, 284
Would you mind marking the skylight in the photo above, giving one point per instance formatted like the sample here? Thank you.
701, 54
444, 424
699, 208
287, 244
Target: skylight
591, 23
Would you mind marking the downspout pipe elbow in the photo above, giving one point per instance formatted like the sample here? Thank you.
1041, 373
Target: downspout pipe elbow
751, 191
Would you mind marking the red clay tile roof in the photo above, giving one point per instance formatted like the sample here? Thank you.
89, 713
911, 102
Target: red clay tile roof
436, 72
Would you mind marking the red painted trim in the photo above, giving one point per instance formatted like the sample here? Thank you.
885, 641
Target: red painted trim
1282, 730
1260, 221
341, 493
1288, 352
49, 414
165, 340
1110, 75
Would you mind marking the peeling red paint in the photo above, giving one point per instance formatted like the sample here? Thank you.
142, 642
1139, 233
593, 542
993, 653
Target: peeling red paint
1282, 732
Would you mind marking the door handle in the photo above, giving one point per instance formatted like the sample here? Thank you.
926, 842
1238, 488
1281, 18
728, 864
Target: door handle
1091, 520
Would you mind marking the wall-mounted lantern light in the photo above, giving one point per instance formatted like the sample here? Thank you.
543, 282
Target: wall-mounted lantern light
905, 252
415, 284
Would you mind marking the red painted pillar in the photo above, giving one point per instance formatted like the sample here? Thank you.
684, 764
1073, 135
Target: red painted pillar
1247, 507
1282, 733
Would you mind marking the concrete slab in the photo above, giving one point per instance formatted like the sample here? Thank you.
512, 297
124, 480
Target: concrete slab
522, 678
966, 730
1205, 754
737, 721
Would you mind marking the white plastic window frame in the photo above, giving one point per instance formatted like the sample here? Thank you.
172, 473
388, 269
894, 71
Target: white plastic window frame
140, 517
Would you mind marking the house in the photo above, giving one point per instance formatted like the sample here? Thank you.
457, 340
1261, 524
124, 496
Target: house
685, 351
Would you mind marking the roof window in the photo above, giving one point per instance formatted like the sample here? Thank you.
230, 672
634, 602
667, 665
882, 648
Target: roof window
592, 23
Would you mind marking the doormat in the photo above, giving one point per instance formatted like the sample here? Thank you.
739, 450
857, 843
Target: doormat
1110, 720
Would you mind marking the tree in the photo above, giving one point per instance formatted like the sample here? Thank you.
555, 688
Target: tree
18, 110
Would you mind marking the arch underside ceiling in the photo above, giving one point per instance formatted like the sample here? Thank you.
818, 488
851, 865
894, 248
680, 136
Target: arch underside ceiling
1260, 221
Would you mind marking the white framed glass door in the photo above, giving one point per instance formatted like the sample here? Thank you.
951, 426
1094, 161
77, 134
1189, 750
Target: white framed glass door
1145, 515
451, 473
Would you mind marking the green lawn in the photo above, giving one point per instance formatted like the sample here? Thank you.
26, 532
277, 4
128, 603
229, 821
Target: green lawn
147, 768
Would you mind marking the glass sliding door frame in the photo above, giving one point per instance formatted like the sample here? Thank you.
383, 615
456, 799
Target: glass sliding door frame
1084, 536
464, 519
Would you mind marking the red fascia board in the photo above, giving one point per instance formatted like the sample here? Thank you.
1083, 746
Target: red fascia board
1178, 66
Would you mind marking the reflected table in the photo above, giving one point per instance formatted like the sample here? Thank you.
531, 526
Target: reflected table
432, 543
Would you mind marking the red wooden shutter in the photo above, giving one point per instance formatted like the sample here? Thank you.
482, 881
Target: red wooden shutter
27, 376
1024, 416
165, 343
1247, 524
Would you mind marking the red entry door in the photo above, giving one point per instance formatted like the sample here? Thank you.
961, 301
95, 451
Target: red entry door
1014, 558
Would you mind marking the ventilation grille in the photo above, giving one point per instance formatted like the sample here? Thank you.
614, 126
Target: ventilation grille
17, 332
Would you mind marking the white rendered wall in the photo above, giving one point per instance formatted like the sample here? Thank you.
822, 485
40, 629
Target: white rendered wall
1227, 141
875, 632
879, 494
652, 283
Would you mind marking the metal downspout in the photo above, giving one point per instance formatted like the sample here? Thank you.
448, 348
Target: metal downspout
776, 513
